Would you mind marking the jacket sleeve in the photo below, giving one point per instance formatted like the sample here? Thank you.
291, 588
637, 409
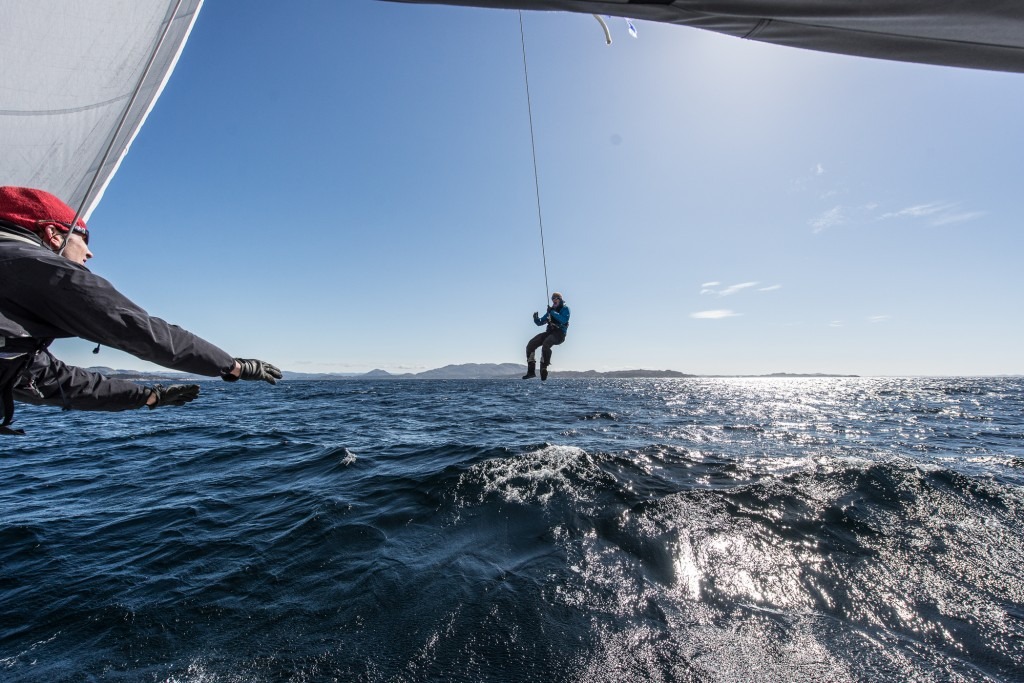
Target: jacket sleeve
85, 305
542, 320
77, 389
561, 317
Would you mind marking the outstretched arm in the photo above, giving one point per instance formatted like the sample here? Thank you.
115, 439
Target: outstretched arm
79, 303
67, 386
55, 383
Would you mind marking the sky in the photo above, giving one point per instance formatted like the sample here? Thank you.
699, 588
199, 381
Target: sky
344, 186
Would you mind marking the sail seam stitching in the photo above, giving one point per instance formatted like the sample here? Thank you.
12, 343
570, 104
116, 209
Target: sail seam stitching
58, 112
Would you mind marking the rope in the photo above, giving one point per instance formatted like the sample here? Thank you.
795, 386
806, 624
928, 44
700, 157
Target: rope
120, 125
533, 148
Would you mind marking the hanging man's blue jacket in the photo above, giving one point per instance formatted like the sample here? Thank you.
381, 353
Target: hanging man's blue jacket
557, 318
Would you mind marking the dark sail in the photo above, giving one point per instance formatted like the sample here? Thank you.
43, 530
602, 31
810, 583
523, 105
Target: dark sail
965, 33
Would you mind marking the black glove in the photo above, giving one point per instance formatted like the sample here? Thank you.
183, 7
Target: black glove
174, 395
256, 369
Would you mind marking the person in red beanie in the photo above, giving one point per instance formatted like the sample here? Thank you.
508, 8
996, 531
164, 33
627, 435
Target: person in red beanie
46, 292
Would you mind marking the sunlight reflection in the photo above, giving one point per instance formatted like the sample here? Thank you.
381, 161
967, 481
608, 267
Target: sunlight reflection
686, 569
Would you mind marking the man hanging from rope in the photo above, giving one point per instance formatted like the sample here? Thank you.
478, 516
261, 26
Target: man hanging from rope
557, 321
47, 292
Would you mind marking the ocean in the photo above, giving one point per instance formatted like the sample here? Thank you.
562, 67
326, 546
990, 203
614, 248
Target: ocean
820, 529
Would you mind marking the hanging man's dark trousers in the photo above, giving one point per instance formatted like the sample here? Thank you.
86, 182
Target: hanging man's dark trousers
545, 340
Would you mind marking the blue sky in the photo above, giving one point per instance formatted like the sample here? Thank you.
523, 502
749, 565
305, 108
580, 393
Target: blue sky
338, 187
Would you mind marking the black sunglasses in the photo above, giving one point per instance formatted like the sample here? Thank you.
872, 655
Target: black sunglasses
75, 229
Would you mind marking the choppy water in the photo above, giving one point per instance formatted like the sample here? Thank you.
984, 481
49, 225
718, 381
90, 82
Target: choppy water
586, 530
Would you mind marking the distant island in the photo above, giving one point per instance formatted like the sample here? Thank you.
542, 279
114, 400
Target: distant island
462, 371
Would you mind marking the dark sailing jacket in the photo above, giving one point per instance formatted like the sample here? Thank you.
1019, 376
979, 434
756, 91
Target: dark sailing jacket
557, 319
44, 296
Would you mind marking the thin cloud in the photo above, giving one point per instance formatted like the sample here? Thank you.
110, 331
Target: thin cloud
920, 210
713, 315
951, 218
836, 323
879, 318
832, 218
732, 289
812, 181
770, 288
935, 213
343, 366
709, 288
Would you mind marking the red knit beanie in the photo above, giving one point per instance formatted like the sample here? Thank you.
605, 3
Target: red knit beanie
34, 209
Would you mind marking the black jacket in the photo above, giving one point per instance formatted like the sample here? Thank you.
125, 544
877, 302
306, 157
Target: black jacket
44, 296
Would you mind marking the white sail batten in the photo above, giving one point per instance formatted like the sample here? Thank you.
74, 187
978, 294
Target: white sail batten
75, 76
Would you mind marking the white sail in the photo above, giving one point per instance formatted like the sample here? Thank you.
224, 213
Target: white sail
77, 80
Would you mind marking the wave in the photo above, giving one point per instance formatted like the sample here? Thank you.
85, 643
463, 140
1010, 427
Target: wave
913, 564
775, 539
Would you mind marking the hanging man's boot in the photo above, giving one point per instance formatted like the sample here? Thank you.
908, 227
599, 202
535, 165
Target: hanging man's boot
531, 369
544, 371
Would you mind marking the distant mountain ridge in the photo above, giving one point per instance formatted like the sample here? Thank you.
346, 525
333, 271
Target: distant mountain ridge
487, 371
461, 371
